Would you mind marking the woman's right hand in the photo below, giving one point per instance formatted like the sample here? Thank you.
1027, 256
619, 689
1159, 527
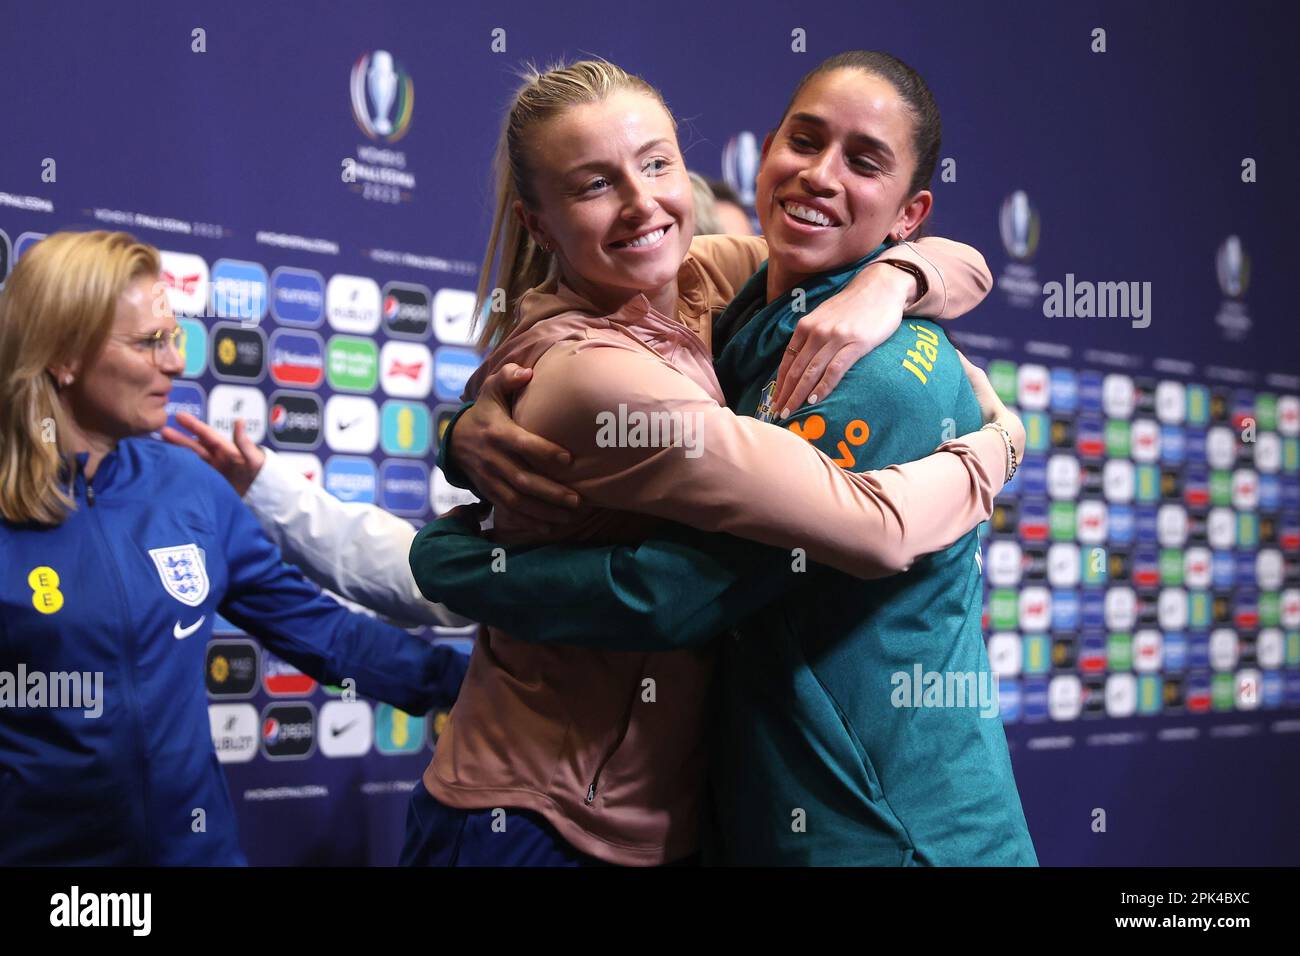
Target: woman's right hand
502, 459
239, 460
992, 407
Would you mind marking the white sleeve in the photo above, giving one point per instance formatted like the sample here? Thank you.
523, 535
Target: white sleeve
358, 551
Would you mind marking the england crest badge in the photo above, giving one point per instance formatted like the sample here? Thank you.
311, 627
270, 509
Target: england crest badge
183, 572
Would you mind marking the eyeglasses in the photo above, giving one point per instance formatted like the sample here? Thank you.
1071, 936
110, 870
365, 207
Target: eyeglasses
158, 342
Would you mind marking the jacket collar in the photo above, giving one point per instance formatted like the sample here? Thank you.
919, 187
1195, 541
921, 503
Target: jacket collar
104, 474
556, 300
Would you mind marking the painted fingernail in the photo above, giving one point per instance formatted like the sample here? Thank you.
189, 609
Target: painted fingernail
812, 399
785, 413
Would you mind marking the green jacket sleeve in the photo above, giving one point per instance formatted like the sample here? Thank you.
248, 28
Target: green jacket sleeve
453, 474
680, 590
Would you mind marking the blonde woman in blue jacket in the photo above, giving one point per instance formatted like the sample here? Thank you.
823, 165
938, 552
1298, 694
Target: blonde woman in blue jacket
117, 553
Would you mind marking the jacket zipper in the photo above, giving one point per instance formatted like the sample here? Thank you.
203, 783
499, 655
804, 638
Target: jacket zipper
132, 690
618, 741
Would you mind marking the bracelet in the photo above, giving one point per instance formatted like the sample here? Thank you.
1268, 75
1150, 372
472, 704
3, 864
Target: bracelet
912, 269
1011, 449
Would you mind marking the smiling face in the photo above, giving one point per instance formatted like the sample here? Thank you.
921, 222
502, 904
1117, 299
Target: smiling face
120, 392
613, 199
834, 179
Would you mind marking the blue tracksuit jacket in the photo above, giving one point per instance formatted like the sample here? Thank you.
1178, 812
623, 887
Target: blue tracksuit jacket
128, 588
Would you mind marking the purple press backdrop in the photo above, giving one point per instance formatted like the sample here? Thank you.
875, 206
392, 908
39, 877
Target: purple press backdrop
1130, 164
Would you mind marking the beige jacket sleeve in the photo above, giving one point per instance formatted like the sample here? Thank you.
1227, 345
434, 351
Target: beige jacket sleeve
957, 275
738, 475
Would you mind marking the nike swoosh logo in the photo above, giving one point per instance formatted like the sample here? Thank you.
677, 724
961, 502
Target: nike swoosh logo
335, 731
344, 426
180, 633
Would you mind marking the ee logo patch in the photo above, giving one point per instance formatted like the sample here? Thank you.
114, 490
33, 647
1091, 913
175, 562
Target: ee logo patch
46, 596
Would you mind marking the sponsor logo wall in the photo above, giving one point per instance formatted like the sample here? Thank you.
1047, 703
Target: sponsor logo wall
334, 368
1145, 560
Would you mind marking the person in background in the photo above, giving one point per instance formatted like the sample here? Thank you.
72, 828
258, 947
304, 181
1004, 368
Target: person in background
706, 207
732, 216
117, 553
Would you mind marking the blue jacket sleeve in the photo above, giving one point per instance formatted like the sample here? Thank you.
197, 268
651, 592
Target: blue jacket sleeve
679, 590
273, 601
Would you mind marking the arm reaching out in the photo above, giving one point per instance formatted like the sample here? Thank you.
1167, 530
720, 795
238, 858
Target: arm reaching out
744, 477
355, 550
273, 602
680, 589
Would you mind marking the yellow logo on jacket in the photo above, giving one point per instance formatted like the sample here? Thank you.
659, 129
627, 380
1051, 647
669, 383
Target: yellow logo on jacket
46, 596
924, 353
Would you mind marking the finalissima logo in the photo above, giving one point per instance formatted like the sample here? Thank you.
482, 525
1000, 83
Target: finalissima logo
1232, 266
383, 96
1018, 223
740, 165
24, 242
4, 257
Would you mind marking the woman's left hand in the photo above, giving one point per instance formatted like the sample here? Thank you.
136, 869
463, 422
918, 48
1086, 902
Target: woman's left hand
840, 331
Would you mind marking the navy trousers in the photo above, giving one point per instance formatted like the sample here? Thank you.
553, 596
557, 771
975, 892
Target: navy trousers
439, 835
